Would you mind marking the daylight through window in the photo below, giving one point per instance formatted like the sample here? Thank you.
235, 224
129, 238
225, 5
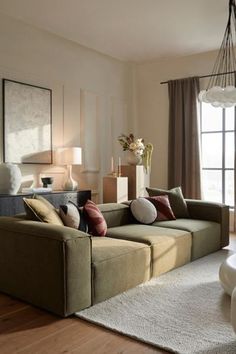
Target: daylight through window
217, 148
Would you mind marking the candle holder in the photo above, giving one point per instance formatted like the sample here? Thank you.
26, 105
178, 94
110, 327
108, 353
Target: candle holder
112, 174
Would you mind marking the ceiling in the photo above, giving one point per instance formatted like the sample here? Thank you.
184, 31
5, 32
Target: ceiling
131, 30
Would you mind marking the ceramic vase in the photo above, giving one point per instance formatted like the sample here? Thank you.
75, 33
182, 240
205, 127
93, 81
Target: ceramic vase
10, 178
133, 159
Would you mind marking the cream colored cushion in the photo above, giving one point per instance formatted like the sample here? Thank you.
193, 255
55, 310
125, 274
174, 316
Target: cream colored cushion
70, 215
143, 211
37, 209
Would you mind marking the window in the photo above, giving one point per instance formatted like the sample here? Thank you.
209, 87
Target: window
217, 147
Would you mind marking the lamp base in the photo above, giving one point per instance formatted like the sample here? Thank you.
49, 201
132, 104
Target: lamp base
70, 184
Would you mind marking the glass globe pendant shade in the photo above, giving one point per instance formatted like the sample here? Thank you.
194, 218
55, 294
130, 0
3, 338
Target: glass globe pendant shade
221, 90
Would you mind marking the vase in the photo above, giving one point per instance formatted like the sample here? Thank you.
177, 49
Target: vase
10, 178
133, 159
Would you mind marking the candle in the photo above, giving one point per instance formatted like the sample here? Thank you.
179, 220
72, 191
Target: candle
119, 167
112, 164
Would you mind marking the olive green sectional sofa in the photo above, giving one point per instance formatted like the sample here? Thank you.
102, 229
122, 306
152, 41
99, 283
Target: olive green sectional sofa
64, 270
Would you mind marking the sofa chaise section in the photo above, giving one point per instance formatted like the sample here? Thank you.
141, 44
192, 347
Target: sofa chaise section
118, 265
46, 265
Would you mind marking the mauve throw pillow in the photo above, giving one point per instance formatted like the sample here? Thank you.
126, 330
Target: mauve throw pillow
162, 205
176, 199
96, 223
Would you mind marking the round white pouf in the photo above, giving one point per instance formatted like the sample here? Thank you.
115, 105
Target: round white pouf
10, 178
233, 309
227, 274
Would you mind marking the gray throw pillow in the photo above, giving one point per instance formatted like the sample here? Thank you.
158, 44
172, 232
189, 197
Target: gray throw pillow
143, 211
176, 199
70, 215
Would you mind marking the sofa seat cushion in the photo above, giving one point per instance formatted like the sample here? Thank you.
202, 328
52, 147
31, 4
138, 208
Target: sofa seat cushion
205, 234
170, 248
117, 265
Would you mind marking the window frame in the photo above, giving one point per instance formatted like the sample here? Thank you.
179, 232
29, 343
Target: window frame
223, 131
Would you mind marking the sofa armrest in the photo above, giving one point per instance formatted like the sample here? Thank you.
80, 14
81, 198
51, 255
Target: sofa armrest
46, 265
199, 209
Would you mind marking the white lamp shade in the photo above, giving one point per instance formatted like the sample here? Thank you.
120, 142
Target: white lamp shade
69, 156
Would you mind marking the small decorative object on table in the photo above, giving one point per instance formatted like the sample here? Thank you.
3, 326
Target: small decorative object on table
47, 182
139, 153
113, 172
10, 178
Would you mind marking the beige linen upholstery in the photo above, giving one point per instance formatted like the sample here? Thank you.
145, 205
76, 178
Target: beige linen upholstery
117, 265
46, 265
205, 234
169, 248
199, 209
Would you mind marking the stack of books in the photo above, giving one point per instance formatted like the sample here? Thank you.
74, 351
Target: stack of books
36, 190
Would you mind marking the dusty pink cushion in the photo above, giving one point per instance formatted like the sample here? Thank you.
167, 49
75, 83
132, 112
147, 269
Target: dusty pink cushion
96, 223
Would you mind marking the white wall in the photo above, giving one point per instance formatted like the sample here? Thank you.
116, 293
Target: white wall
152, 103
95, 90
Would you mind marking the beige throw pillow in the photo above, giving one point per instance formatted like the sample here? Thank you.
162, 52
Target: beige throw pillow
37, 209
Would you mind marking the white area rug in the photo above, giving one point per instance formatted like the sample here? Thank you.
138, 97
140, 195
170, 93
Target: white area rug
184, 311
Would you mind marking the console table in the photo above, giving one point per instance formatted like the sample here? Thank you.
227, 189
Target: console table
13, 204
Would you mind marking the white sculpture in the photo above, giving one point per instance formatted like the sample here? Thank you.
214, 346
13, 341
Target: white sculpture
10, 178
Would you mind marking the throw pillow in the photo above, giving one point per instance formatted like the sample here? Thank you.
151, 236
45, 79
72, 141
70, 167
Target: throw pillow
70, 215
162, 205
97, 225
176, 199
37, 210
83, 225
143, 210
44, 200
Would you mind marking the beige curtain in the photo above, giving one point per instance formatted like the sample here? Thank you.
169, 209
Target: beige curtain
184, 154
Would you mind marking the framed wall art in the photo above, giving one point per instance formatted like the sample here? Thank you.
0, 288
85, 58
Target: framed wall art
27, 123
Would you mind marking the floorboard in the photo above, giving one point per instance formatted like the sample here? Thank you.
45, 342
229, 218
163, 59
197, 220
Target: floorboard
25, 329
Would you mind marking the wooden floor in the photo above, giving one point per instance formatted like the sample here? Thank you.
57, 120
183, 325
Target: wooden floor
27, 330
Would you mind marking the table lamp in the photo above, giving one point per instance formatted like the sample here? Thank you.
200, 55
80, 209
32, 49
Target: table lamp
69, 156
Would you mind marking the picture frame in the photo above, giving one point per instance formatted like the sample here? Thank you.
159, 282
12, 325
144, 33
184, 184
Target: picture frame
27, 123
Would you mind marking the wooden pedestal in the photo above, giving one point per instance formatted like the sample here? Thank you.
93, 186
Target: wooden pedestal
138, 180
115, 189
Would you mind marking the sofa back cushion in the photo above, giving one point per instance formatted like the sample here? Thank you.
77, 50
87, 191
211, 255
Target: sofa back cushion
116, 214
177, 202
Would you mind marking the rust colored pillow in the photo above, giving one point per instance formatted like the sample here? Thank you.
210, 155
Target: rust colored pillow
96, 223
162, 205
